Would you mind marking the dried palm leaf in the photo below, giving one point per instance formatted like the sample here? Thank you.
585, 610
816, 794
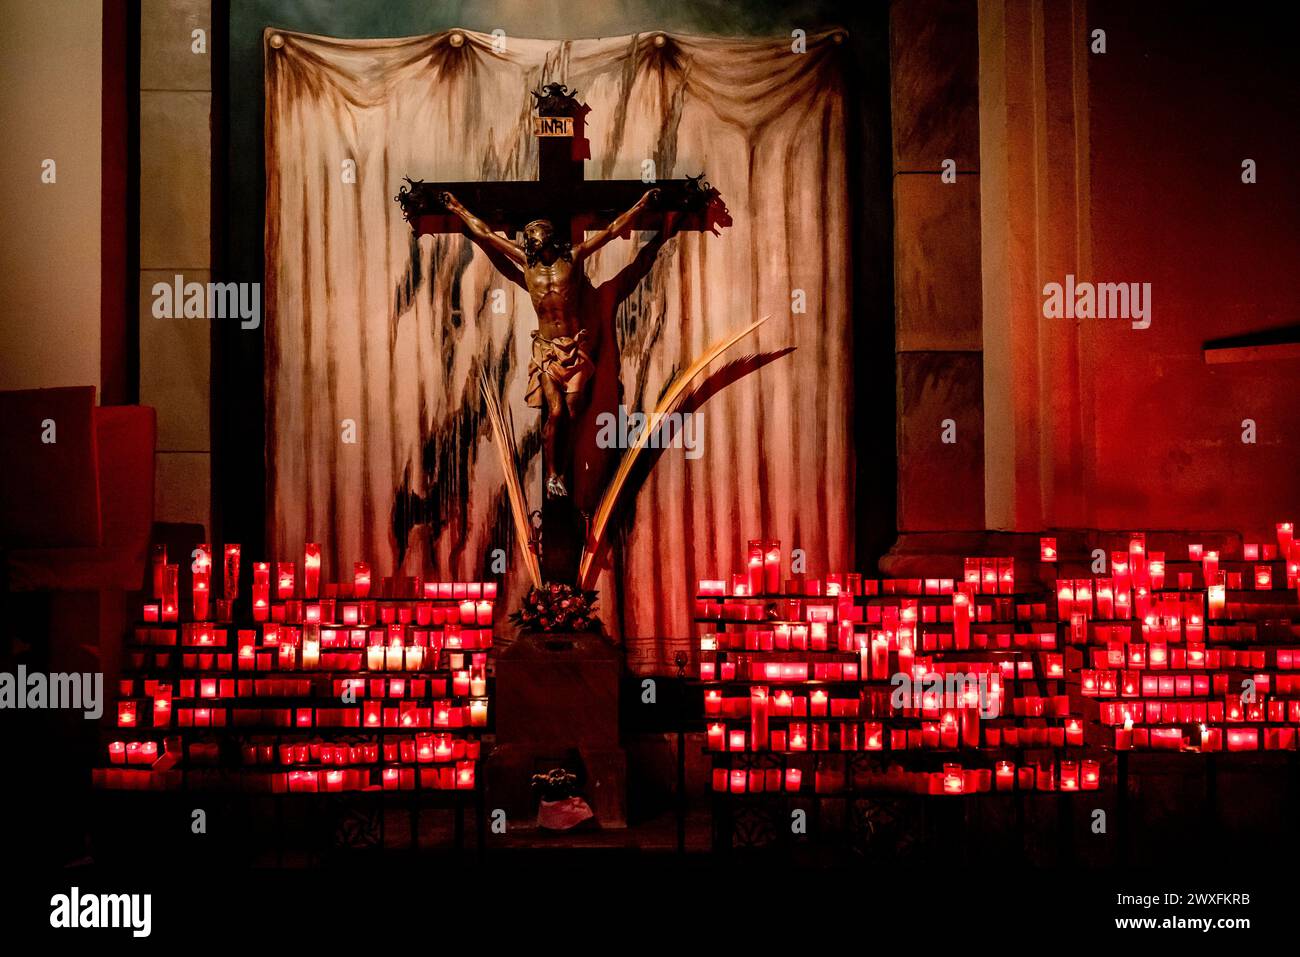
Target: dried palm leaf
667, 404
504, 437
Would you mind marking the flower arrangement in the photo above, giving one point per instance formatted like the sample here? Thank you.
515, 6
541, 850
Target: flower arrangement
557, 607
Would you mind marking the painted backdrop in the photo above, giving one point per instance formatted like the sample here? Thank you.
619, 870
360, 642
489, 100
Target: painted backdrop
377, 444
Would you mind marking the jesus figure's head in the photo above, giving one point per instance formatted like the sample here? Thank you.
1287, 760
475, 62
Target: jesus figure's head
541, 245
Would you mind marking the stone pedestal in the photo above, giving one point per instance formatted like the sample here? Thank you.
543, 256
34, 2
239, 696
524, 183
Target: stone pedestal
557, 699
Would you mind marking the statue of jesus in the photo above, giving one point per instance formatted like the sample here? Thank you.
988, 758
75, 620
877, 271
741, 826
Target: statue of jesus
561, 370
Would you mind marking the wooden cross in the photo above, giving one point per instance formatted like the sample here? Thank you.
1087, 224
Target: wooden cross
560, 193
574, 205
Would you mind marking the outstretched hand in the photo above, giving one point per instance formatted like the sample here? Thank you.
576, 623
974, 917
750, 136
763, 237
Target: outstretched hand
449, 200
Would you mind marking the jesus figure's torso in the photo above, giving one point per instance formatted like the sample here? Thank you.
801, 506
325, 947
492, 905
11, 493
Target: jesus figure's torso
553, 289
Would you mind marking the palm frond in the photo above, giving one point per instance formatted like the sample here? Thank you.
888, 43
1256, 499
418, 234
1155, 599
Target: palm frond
504, 438
668, 403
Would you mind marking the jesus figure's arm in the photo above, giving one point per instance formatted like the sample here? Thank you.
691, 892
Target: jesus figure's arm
619, 225
479, 232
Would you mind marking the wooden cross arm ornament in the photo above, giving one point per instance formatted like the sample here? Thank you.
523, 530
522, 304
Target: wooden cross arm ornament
591, 205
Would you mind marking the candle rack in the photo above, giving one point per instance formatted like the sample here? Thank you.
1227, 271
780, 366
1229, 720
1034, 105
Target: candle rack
799, 685
329, 689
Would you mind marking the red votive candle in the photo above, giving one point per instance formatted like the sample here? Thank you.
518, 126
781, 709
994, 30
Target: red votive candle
817, 703
717, 737
1069, 780
465, 775
1091, 775
758, 716
230, 572
1083, 596
311, 570
162, 707
159, 563
1285, 536
1047, 549
1217, 599
171, 593
772, 567
202, 559
1006, 576
1137, 555
1156, 569
360, 579
713, 702
126, 714
1005, 776
989, 576
1123, 606
1119, 569
261, 602
1064, 599
200, 593
284, 572
798, 737
961, 615
754, 568
1105, 599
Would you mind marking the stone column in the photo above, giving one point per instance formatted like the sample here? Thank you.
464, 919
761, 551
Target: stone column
175, 216
1034, 228
936, 134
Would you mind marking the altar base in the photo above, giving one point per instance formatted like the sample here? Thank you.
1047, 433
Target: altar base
557, 698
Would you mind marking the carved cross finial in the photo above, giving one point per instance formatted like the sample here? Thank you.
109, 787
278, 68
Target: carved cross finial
555, 99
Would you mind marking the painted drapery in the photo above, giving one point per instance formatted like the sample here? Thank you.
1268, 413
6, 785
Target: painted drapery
377, 442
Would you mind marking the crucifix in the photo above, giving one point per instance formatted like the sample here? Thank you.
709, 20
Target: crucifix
556, 213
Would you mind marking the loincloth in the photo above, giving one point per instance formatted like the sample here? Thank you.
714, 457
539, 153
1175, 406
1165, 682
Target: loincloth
564, 360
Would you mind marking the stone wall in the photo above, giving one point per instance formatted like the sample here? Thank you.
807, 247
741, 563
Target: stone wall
50, 244
175, 225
